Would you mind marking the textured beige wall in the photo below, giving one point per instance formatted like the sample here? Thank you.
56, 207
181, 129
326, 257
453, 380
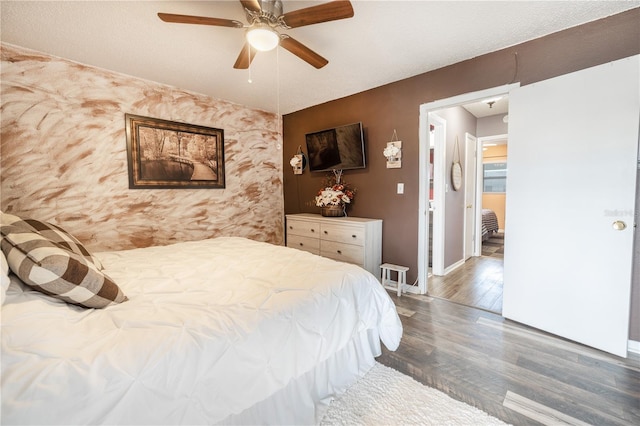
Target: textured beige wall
64, 158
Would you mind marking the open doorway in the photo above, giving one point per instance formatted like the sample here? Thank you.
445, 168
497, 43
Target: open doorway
474, 276
493, 186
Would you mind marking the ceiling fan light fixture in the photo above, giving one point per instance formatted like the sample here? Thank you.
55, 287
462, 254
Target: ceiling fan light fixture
491, 101
263, 38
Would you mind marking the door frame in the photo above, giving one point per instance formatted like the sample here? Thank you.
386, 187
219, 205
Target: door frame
426, 113
439, 191
470, 195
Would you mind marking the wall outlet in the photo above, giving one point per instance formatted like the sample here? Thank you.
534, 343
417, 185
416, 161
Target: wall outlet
400, 188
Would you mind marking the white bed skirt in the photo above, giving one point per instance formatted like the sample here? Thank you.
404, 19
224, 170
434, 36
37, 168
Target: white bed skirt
305, 400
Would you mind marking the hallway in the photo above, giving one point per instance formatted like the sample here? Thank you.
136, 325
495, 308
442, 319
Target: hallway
477, 283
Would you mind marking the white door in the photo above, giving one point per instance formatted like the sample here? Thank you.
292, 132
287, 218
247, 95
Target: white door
573, 147
469, 195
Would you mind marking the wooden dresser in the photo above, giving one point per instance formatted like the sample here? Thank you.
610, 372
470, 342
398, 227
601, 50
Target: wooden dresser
348, 239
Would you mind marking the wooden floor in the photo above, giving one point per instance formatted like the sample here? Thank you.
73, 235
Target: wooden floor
478, 282
518, 374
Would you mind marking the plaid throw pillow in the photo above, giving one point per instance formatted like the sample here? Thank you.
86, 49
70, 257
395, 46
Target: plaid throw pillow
4, 277
54, 270
52, 233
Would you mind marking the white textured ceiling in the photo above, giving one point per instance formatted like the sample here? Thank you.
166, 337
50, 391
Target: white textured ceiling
489, 107
384, 42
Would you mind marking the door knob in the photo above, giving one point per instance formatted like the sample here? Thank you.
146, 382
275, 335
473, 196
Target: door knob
619, 225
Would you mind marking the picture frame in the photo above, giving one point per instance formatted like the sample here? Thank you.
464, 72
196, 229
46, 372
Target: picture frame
165, 154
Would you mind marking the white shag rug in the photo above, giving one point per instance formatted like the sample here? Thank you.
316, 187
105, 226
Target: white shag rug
385, 396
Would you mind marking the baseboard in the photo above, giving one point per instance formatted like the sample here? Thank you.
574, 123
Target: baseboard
453, 267
633, 346
406, 288
413, 289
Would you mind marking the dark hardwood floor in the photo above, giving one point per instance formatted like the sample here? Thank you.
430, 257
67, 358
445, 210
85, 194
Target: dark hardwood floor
513, 372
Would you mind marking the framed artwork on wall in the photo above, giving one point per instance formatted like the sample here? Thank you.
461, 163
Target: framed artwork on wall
167, 154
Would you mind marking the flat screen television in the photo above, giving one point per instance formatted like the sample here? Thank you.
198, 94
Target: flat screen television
340, 148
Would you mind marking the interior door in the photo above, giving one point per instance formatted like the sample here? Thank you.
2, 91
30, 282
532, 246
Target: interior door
573, 147
469, 195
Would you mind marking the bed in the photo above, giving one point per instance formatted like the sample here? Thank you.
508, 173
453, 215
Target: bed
489, 224
225, 330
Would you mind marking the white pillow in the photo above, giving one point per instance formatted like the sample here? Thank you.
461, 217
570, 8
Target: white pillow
4, 277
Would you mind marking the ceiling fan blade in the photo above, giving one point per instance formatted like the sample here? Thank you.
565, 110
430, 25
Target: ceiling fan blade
252, 5
302, 51
316, 14
245, 57
201, 20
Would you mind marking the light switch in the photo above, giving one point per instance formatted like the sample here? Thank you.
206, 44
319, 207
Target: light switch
400, 188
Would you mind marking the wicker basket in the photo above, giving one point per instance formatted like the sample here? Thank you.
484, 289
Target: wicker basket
332, 211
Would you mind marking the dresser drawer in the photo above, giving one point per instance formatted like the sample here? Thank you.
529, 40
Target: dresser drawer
312, 245
304, 228
342, 234
340, 251
348, 239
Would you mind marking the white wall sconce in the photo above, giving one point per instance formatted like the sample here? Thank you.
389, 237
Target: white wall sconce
298, 162
393, 152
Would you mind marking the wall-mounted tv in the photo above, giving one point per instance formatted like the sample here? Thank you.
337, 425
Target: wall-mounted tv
340, 148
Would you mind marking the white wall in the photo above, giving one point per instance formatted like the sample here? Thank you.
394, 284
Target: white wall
491, 126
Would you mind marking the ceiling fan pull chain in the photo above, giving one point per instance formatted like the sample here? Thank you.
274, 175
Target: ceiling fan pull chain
249, 67
278, 117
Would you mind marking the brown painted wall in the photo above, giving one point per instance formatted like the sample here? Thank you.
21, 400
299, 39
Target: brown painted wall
396, 106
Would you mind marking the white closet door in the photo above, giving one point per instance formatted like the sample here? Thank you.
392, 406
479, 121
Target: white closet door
573, 148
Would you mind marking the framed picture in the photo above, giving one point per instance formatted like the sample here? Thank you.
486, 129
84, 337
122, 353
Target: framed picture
168, 154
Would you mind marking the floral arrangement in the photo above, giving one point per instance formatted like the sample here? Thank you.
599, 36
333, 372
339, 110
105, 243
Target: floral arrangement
391, 151
335, 192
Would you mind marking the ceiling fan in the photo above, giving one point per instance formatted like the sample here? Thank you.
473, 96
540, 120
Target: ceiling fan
265, 18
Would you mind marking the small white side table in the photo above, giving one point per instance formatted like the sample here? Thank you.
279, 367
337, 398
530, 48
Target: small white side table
388, 283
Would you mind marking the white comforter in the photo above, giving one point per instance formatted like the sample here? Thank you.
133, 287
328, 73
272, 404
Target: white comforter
211, 328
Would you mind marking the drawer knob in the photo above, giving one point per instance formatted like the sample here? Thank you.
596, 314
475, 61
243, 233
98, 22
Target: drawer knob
326, 232
301, 244
313, 230
353, 236
339, 252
